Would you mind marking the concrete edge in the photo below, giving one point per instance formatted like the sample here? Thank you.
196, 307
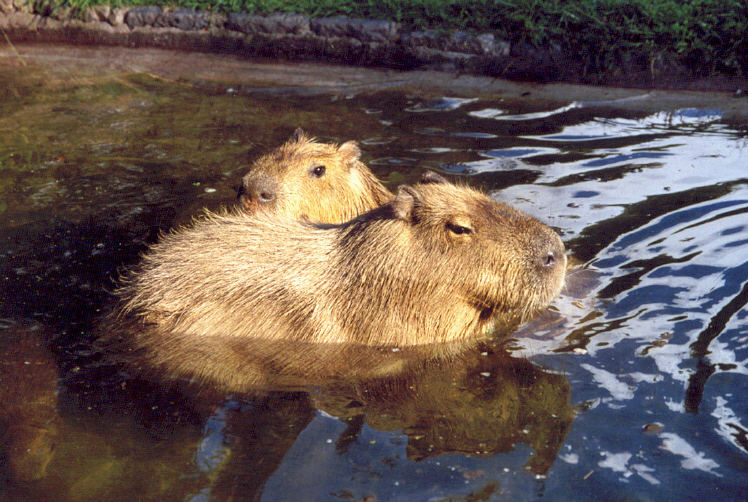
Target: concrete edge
358, 42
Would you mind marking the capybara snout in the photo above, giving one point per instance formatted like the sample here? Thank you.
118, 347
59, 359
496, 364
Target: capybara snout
310, 180
553, 252
256, 190
550, 257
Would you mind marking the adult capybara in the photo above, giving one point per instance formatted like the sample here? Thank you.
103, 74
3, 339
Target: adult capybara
317, 181
437, 264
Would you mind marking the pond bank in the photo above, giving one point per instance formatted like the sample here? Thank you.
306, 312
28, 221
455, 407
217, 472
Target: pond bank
358, 42
230, 73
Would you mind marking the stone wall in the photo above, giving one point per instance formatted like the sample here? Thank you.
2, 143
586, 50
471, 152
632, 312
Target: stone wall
289, 36
361, 42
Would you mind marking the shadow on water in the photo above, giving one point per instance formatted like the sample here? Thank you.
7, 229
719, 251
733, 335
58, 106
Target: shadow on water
628, 388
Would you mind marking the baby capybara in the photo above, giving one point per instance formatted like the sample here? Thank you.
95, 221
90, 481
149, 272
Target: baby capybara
316, 181
439, 263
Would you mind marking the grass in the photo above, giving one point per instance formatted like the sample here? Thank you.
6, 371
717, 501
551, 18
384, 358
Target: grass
708, 36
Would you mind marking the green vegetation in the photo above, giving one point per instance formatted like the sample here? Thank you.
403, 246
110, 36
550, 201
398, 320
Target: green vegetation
708, 36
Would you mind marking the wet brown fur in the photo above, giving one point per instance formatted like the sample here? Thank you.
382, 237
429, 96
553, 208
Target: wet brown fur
438, 264
346, 189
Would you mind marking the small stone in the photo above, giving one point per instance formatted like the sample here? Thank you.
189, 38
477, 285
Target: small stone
238, 22
102, 12
142, 16
49, 23
24, 6
90, 16
461, 41
217, 20
18, 20
492, 47
183, 19
117, 16
330, 26
276, 24
369, 30
653, 428
6, 6
287, 24
429, 39
372, 30
61, 13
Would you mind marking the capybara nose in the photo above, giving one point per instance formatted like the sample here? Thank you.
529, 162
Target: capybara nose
555, 253
257, 189
266, 196
240, 190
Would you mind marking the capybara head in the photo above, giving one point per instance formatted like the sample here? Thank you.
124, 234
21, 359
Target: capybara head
439, 263
498, 261
316, 181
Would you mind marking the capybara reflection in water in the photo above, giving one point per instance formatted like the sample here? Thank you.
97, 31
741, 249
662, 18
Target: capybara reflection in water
29, 423
439, 263
317, 181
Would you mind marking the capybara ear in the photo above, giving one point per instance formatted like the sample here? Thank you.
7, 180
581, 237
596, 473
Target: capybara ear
432, 177
298, 135
349, 151
406, 199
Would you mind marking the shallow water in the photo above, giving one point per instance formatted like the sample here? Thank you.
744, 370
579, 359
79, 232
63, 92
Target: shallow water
630, 388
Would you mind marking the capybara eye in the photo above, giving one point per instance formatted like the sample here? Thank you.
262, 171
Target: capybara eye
319, 171
458, 229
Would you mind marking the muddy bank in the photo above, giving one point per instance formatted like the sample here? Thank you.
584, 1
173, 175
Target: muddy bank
358, 42
68, 64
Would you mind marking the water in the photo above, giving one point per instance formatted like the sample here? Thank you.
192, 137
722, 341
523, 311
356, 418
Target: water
630, 388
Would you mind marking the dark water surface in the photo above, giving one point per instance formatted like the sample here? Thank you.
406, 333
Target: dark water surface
631, 388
